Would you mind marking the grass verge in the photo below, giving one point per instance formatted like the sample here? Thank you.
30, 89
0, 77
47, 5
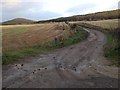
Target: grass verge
12, 56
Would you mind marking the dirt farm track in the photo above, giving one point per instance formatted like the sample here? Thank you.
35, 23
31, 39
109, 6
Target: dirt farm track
77, 66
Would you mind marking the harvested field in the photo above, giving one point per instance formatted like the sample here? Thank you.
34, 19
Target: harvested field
109, 24
18, 36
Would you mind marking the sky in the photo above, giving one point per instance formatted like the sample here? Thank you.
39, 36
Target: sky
49, 9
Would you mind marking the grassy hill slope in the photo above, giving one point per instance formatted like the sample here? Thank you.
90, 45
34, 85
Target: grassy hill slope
18, 21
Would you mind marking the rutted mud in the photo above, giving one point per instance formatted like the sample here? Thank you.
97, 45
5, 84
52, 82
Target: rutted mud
78, 66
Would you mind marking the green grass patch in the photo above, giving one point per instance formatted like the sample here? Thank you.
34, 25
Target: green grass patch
12, 56
111, 49
79, 36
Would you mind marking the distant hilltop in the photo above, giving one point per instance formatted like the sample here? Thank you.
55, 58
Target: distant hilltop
18, 21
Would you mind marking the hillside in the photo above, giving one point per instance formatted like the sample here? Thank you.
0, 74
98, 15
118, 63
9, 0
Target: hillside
114, 14
18, 21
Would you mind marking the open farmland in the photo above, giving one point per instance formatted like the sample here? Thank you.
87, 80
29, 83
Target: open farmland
79, 51
80, 65
20, 41
18, 36
107, 24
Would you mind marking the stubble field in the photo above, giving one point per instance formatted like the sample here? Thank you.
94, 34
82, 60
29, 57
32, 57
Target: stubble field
18, 36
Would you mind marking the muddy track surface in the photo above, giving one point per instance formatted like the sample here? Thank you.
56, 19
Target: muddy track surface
78, 66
